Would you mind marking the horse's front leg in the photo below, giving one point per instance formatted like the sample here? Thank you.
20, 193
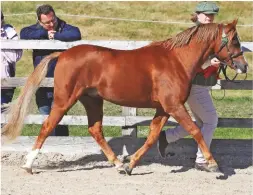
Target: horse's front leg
183, 118
156, 125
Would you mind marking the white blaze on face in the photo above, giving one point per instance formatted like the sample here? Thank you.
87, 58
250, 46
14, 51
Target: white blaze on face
239, 71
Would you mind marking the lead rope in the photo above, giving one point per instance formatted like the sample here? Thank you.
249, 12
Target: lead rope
223, 69
224, 93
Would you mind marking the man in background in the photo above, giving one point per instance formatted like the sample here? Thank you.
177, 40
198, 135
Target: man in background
49, 27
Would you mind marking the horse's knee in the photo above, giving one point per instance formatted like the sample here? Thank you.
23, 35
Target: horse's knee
45, 128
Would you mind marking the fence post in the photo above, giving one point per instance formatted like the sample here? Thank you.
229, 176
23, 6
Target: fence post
129, 130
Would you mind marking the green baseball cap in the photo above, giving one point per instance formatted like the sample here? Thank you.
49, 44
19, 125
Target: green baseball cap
207, 7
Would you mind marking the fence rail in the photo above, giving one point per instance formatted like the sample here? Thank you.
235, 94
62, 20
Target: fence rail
128, 121
55, 44
49, 82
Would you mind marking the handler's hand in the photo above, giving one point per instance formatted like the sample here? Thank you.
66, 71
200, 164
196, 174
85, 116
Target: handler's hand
51, 34
215, 62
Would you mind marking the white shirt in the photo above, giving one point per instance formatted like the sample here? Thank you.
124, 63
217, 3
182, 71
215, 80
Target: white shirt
9, 57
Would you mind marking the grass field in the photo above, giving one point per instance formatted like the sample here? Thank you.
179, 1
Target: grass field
112, 29
235, 104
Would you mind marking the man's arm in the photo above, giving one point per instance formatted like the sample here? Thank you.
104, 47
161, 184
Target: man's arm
11, 55
33, 33
69, 33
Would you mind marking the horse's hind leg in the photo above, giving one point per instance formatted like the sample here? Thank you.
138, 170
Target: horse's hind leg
48, 125
62, 102
183, 118
156, 126
94, 109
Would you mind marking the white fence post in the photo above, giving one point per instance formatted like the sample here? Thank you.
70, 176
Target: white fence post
129, 130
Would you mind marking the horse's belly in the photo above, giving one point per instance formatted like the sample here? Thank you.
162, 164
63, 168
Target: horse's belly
135, 102
124, 97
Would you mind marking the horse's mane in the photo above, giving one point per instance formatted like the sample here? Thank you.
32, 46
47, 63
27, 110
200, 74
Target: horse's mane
202, 33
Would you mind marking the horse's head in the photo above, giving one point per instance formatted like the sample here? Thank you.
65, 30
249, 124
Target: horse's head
229, 50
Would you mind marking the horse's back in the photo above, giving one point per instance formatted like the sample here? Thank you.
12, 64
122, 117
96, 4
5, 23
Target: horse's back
125, 77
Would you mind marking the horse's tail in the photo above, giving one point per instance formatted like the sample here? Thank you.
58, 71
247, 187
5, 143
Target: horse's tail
18, 109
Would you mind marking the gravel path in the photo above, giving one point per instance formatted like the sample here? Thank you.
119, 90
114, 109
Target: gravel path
56, 173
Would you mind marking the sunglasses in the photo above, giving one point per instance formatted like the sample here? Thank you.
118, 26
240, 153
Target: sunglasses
49, 22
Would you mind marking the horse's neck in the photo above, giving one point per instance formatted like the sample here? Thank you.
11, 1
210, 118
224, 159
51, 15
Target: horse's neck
193, 56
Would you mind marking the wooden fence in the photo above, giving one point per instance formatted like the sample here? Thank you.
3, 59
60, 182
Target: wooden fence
128, 120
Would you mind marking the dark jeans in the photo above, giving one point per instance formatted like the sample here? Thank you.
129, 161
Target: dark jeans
44, 101
6, 97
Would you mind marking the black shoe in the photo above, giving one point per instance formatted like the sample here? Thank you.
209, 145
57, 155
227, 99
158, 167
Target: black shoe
162, 144
204, 167
62, 130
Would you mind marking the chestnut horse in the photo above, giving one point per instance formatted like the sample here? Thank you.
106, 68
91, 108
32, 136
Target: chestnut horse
155, 76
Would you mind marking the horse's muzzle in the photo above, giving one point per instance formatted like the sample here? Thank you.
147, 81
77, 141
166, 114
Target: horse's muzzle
241, 68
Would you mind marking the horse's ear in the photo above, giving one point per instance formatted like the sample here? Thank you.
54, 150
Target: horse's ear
234, 23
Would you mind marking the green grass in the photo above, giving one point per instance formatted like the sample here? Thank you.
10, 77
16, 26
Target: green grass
108, 29
220, 133
237, 103
233, 133
33, 130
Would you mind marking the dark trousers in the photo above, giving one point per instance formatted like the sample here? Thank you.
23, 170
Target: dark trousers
44, 101
6, 97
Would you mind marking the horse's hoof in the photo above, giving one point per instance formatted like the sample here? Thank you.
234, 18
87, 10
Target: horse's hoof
214, 168
170, 154
125, 169
121, 170
28, 170
127, 159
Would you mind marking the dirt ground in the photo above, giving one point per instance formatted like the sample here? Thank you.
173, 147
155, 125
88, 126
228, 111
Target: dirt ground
55, 174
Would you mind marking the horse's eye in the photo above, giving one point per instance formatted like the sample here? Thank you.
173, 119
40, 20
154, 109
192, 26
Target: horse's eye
234, 42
